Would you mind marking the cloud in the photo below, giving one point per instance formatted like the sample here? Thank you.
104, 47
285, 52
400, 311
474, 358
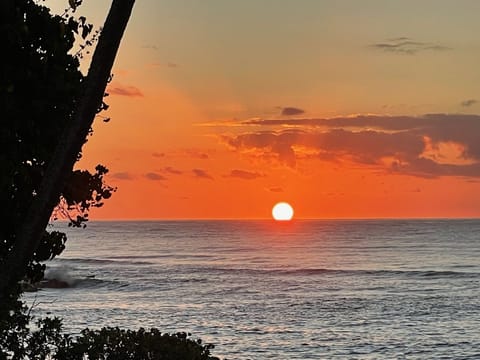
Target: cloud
158, 155
469, 102
173, 171
290, 111
124, 90
168, 64
149, 46
405, 45
154, 176
202, 174
197, 154
275, 189
122, 176
243, 174
430, 145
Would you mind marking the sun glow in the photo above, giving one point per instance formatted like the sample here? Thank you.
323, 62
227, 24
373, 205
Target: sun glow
282, 211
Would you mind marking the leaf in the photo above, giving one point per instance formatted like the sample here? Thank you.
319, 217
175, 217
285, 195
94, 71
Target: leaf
73, 4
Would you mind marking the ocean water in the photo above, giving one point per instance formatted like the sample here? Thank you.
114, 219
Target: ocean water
364, 289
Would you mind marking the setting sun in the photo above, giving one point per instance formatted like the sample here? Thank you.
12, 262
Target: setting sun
282, 211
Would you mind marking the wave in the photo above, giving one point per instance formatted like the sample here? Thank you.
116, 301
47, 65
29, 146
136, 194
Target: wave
103, 261
132, 259
427, 274
89, 282
65, 277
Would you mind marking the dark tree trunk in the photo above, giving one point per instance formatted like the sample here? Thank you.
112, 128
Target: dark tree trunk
29, 233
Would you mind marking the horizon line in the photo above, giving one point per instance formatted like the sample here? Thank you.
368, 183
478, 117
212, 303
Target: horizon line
271, 219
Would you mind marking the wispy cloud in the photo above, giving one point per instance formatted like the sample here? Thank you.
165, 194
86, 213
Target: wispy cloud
198, 154
243, 174
122, 176
155, 177
405, 45
150, 46
172, 170
290, 111
275, 189
469, 102
168, 64
202, 174
429, 145
124, 90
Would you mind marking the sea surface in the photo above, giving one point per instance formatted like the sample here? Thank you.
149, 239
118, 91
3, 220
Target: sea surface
306, 289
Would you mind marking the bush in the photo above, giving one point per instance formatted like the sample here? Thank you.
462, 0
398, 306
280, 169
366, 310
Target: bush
48, 341
119, 344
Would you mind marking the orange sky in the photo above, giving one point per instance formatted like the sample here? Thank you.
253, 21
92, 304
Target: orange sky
221, 109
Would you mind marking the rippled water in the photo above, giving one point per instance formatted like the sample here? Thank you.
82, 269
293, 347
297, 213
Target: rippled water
405, 289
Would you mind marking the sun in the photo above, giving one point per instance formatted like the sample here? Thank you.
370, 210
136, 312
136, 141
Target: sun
282, 211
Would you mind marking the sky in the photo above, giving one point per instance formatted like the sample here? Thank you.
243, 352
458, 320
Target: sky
344, 109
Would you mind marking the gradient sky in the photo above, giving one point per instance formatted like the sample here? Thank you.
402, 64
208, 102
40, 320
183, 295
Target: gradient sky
345, 109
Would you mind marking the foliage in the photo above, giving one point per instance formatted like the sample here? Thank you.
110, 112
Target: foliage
48, 341
115, 343
40, 83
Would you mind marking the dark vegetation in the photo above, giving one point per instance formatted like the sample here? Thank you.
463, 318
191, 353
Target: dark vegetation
40, 89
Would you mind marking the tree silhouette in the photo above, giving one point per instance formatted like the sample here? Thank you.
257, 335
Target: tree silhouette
48, 107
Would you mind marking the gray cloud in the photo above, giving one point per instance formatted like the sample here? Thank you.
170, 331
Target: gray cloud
405, 45
394, 143
290, 111
469, 102
202, 174
155, 176
243, 174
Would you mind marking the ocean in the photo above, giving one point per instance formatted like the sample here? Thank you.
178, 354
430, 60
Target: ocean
305, 289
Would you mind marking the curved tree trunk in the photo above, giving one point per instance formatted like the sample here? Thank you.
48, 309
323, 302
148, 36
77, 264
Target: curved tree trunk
28, 236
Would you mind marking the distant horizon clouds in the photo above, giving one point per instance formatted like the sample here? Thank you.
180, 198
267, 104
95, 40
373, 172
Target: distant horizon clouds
406, 45
431, 145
